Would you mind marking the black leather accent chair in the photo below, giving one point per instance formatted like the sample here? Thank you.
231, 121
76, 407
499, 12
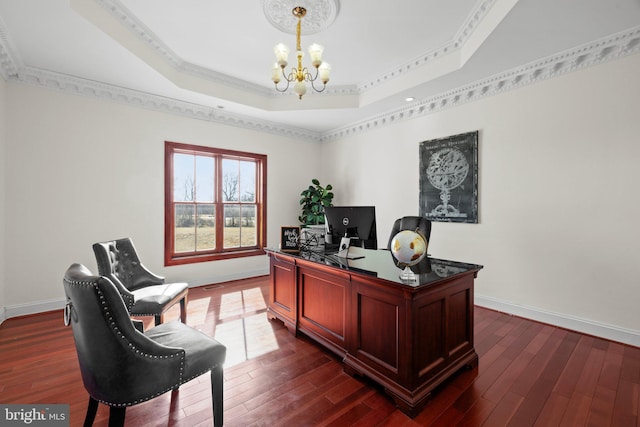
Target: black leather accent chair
144, 293
123, 366
414, 223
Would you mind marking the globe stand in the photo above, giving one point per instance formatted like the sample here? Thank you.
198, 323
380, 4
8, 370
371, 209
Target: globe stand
408, 276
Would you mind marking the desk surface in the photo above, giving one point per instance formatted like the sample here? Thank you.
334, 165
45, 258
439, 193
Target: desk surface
382, 264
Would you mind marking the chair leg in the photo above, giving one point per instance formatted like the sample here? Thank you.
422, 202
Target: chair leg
216, 395
92, 409
183, 310
116, 416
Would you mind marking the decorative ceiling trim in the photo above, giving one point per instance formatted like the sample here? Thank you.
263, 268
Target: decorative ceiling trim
458, 41
123, 15
127, 18
320, 15
603, 50
9, 63
106, 92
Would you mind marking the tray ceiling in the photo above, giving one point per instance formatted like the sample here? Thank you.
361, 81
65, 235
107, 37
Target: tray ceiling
213, 58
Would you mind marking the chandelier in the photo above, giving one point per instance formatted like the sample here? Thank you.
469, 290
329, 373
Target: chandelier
300, 75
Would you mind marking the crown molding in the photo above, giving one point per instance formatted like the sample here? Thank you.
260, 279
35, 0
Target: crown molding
273, 10
603, 50
125, 17
455, 44
9, 63
106, 92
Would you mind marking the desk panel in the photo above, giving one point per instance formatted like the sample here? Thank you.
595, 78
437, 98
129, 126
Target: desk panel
408, 337
322, 306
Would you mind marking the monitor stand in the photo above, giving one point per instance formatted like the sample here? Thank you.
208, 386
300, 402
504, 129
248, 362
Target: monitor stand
343, 252
345, 243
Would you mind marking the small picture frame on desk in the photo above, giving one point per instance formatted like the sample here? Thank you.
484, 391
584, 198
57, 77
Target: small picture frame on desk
290, 239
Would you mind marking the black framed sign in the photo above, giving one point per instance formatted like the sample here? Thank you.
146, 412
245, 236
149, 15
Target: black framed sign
449, 178
290, 239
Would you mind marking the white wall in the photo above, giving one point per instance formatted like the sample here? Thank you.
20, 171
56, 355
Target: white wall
83, 170
558, 232
3, 169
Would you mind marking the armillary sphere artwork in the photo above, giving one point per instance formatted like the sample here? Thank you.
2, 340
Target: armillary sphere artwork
449, 178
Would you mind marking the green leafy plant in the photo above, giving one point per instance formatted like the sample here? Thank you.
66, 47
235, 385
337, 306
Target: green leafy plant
313, 201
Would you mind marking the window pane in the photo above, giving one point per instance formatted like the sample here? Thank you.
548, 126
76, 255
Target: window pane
205, 173
230, 178
240, 226
248, 182
206, 237
232, 226
214, 203
185, 231
248, 230
183, 178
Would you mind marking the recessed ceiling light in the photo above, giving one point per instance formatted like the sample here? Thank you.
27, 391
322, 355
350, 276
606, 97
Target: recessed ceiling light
409, 99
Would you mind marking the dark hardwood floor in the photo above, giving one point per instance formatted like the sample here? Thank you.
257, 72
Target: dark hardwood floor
530, 374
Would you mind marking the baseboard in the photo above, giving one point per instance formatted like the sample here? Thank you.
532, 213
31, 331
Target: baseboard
57, 304
34, 308
229, 277
610, 332
585, 326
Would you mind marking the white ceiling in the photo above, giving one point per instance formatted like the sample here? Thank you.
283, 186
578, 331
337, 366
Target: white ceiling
218, 54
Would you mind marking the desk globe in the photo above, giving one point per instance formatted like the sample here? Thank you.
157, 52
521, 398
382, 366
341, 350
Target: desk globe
409, 248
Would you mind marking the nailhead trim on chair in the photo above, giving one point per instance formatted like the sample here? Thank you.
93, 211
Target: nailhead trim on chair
142, 353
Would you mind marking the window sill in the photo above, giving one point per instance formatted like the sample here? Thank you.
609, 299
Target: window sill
192, 259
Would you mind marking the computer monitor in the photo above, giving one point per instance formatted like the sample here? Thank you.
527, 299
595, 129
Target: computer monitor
357, 222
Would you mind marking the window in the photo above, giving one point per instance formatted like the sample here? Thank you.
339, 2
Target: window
215, 203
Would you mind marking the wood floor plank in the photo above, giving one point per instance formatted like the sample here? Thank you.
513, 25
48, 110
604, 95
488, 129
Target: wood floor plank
528, 374
553, 411
601, 408
477, 414
570, 376
504, 410
550, 369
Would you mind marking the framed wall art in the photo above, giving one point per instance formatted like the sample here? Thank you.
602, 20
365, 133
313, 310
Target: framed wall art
449, 178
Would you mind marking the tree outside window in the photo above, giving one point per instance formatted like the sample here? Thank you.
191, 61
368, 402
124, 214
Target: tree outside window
215, 203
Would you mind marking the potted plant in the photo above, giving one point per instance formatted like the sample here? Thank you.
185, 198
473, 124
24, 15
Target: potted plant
313, 200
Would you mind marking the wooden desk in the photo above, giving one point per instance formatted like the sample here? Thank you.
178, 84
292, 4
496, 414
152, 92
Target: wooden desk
407, 337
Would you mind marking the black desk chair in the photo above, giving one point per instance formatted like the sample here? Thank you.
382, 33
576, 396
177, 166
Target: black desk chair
144, 293
122, 366
413, 223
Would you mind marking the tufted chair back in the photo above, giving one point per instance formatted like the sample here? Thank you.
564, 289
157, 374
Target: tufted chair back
414, 223
144, 293
119, 259
122, 366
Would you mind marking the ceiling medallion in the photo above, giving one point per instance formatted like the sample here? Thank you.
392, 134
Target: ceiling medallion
320, 14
